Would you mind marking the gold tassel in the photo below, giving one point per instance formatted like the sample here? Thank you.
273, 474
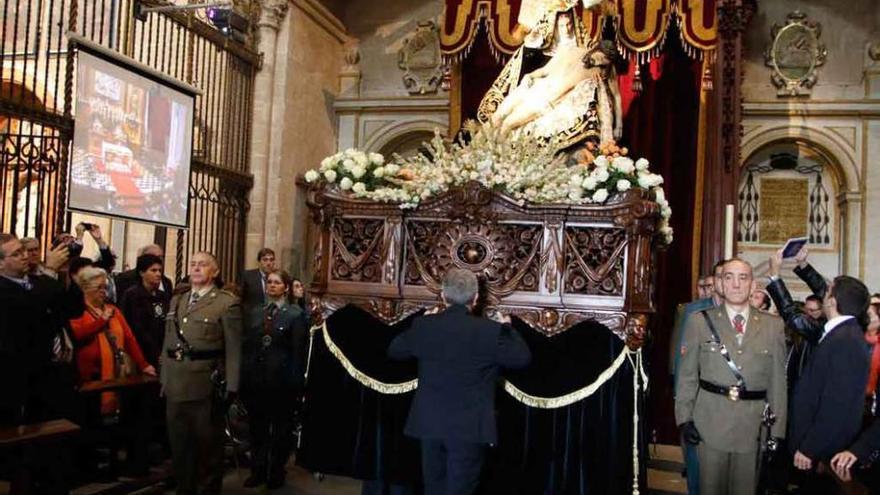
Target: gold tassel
708, 61
637, 79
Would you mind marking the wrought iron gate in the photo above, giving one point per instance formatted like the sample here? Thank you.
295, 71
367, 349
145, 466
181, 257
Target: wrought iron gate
36, 115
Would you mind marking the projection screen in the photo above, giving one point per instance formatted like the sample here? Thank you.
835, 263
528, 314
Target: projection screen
132, 141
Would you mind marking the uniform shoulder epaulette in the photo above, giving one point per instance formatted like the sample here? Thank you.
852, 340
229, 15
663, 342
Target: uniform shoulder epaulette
227, 293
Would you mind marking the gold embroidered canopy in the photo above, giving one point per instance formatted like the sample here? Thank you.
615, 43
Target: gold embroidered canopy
640, 25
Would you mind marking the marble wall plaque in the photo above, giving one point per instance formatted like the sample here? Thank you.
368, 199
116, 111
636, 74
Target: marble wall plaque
784, 210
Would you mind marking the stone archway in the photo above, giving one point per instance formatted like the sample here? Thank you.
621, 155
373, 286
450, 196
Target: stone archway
816, 154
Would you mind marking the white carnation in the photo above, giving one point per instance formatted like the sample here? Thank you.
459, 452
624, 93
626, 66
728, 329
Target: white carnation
600, 195
312, 176
576, 181
601, 161
590, 183
330, 175
358, 172
377, 158
601, 174
327, 163
378, 172
642, 164
576, 195
392, 169
362, 160
623, 185
623, 164
348, 164
659, 195
345, 183
359, 187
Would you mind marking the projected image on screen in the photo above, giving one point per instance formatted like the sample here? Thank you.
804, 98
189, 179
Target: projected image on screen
131, 145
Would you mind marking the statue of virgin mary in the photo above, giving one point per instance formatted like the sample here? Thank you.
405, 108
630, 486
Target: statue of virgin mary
571, 96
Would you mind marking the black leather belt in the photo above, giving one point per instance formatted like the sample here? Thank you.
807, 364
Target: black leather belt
193, 355
733, 392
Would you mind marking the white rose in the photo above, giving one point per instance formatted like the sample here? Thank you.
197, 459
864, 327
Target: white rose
330, 175
359, 187
358, 172
623, 185
642, 164
576, 195
590, 183
345, 183
601, 174
665, 212
392, 169
600, 195
362, 160
623, 164
348, 164
601, 161
645, 181
377, 158
327, 163
312, 176
575, 181
378, 172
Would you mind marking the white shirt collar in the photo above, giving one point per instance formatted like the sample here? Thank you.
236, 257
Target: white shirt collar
834, 323
731, 313
203, 291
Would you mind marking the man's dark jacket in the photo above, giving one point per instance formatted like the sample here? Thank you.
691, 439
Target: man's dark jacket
459, 357
827, 408
252, 293
131, 278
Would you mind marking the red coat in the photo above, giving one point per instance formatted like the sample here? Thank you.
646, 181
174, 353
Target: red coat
88, 355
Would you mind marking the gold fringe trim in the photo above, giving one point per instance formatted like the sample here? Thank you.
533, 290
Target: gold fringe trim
516, 393
362, 378
577, 395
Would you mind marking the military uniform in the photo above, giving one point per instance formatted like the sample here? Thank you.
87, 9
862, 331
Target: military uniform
211, 327
730, 428
275, 343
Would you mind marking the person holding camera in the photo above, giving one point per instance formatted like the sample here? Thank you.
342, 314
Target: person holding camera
200, 367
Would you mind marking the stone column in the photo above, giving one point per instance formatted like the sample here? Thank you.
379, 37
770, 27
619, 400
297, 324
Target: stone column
272, 13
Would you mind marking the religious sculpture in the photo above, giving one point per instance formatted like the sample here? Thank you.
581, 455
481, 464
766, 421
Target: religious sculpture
571, 96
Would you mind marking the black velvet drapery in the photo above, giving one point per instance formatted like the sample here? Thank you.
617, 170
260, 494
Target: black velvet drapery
583, 448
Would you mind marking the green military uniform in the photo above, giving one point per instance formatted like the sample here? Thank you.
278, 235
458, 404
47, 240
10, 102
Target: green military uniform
730, 428
211, 327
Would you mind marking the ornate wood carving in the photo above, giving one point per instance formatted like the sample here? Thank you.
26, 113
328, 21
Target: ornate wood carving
552, 266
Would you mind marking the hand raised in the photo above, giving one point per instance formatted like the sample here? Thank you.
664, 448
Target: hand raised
801, 256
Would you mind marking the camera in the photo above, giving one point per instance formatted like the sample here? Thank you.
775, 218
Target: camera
88, 226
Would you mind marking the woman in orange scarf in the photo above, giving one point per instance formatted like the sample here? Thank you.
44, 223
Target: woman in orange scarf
102, 336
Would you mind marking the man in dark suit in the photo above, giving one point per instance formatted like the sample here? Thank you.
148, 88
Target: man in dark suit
453, 411
828, 399
36, 385
131, 278
253, 282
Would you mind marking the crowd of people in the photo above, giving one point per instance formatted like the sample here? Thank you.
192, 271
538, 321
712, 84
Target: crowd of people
770, 393
67, 323
774, 395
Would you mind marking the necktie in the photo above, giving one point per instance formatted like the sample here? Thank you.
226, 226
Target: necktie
739, 324
193, 299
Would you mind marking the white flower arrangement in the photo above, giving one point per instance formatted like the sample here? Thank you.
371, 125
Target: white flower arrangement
519, 167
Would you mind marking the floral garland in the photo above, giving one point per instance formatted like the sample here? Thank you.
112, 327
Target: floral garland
521, 167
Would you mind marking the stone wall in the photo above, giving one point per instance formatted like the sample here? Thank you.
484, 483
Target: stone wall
840, 119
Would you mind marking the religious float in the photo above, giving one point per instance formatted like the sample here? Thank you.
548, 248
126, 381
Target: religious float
560, 224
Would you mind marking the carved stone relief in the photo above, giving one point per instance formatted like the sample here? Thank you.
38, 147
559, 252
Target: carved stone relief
420, 60
794, 54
